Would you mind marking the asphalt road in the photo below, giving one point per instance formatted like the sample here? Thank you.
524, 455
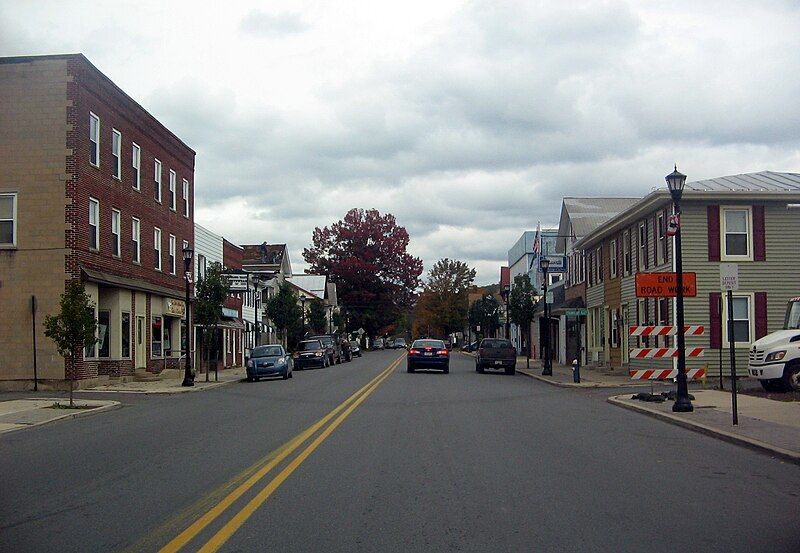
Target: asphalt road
415, 462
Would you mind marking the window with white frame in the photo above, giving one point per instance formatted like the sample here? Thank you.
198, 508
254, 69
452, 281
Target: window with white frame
201, 266
737, 233
135, 240
157, 248
171, 254
8, 219
598, 265
172, 177
116, 153
661, 223
94, 224
115, 235
742, 320
185, 198
613, 259
94, 139
136, 162
626, 252
157, 181
642, 257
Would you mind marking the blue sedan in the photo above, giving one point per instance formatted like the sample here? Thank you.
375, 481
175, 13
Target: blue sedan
428, 354
269, 360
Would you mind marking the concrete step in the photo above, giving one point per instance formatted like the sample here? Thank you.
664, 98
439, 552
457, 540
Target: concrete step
144, 376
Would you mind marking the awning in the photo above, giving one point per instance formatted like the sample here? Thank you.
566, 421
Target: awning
108, 279
573, 303
226, 322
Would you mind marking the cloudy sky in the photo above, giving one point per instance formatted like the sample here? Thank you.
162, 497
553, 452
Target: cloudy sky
467, 120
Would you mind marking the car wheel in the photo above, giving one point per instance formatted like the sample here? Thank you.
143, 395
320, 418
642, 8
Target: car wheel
249, 378
447, 369
791, 378
286, 374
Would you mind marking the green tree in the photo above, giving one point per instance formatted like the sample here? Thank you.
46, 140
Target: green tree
485, 313
210, 294
520, 307
443, 304
285, 314
72, 329
317, 319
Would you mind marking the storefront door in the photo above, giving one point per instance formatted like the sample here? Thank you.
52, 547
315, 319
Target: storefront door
141, 350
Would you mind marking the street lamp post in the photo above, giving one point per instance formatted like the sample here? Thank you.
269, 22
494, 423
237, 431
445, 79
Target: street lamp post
256, 296
303, 313
547, 365
675, 183
505, 292
188, 378
330, 319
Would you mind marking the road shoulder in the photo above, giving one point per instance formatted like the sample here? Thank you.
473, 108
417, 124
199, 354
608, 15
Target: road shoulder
22, 414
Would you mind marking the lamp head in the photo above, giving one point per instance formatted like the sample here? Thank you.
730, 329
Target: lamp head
187, 254
544, 263
675, 182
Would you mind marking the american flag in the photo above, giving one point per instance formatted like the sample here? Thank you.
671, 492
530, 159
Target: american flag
537, 241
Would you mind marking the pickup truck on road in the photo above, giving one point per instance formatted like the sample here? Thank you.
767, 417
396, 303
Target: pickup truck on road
495, 353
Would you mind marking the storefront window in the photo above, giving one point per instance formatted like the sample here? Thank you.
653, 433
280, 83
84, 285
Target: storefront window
103, 332
167, 337
155, 336
90, 351
125, 332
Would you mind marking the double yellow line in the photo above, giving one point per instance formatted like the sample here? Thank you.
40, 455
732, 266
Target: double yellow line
343, 410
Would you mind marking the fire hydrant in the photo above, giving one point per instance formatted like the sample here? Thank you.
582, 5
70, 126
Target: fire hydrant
576, 371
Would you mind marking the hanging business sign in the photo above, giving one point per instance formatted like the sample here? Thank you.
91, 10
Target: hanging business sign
665, 285
238, 282
558, 263
174, 308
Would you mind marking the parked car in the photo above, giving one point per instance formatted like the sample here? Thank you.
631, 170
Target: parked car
330, 341
428, 354
400, 343
389, 344
355, 348
311, 353
270, 360
377, 343
494, 353
471, 347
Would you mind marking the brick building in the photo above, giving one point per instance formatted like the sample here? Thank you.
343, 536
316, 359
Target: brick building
95, 189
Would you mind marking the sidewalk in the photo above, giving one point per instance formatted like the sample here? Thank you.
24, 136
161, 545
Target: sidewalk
27, 413
764, 424
171, 385
590, 377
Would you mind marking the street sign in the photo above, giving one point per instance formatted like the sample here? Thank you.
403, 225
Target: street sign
360, 331
238, 282
549, 297
664, 285
729, 276
577, 312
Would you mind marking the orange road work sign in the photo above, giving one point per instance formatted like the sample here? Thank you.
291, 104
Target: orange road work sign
664, 285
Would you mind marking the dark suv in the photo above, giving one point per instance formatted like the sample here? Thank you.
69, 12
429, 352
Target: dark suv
330, 341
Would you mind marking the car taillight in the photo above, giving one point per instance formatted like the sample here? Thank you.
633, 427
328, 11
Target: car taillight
413, 352
442, 352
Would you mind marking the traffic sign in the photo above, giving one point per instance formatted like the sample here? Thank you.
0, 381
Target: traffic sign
577, 312
729, 276
665, 285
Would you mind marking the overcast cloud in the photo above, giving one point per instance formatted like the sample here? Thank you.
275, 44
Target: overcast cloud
467, 120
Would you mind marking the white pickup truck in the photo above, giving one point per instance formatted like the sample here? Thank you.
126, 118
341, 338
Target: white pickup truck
775, 358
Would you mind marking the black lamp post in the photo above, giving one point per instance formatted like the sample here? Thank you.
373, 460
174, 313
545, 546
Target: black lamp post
675, 183
188, 378
330, 319
547, 365
303, 313
256, 296
504, 293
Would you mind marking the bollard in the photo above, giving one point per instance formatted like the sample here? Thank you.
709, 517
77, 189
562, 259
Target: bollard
576, 371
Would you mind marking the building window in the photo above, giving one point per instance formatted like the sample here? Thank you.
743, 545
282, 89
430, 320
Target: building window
8, 220
613, 259
641, 319
616, 323
171, 254
157, 181
136, 162
742, 320
115, 235
201, 266
125, 333
737, 233
136, 242
94, 224
642, 261
116, 153
156, 337
598, 265
91, 350
94, 139
185, 198
157, 248
626, 252
172, 178
103, 331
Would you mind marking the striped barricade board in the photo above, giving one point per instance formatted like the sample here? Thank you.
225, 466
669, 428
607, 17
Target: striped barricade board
665, 330
665, 374
663, 353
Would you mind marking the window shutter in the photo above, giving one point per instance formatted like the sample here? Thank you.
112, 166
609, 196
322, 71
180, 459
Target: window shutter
646, 240
655, 240
712, 218
759, 240
761, 314
714, 314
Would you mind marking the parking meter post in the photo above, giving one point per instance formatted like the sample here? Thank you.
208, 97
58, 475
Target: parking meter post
576, 371
732, 346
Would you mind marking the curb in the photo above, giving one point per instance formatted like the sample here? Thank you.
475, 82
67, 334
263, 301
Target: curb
78, 413
730, 437
211, 385
593, 385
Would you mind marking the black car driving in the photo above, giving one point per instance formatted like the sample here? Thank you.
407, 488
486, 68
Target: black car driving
428, 354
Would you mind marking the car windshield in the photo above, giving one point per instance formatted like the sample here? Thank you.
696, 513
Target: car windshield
399, 341
495, 344
353, 344
267, 351
327, 340
309, 345
437, 344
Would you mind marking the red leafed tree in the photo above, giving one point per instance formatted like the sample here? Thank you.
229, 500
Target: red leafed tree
365, 255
